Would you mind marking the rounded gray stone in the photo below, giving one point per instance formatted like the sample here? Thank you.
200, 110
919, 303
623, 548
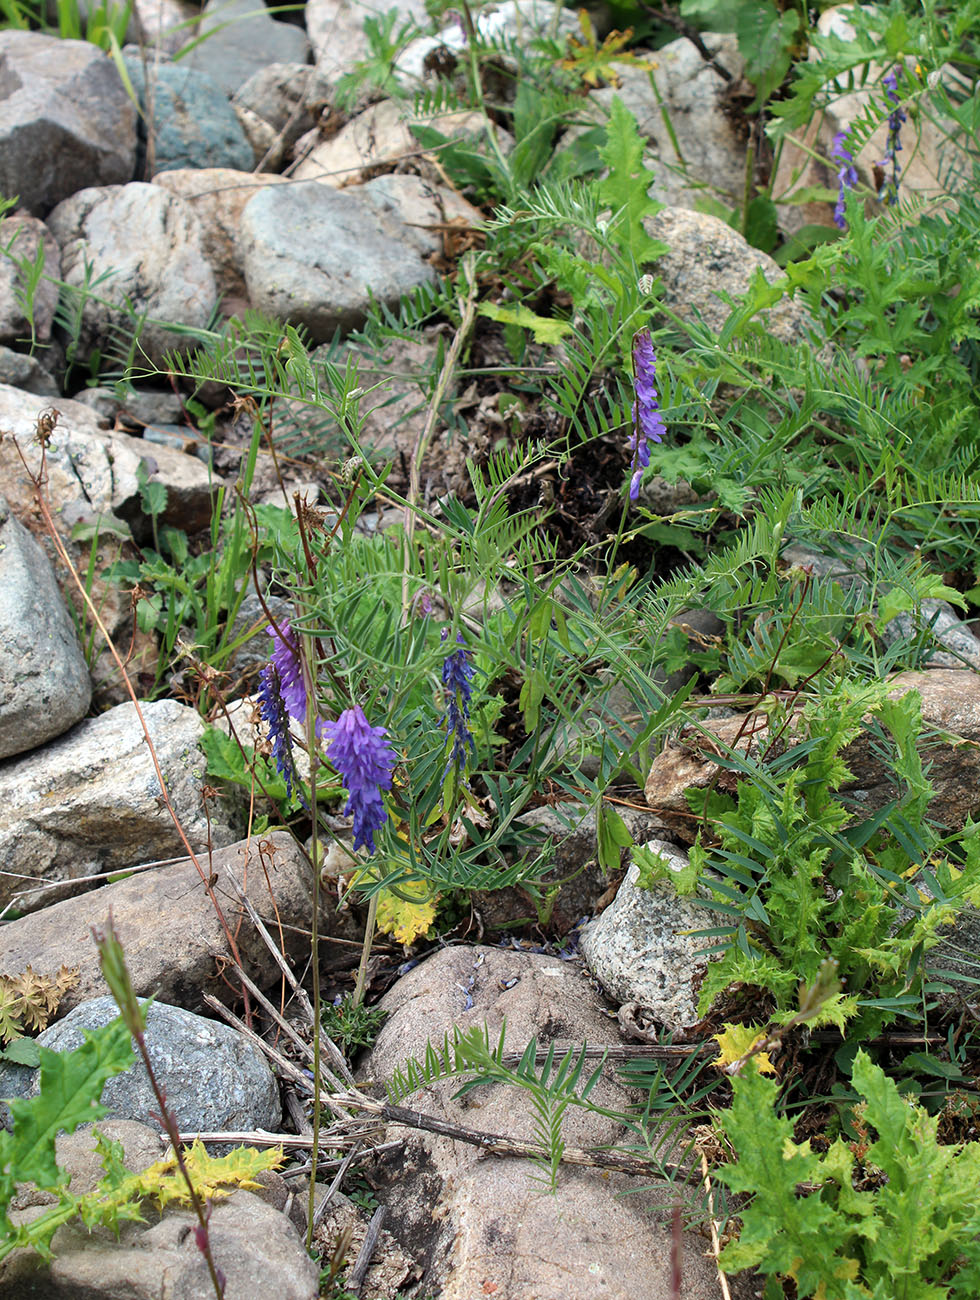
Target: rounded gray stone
147, 243
640, 948
314, 256
213, 1077
66, 120
242, 38
45, 686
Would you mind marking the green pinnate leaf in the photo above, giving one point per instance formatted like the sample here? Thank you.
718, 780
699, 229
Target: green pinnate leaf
71, 1085
624, 190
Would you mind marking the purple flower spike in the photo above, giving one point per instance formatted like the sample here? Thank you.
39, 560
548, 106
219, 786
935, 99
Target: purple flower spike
457, 674
273, 711
289, 666
888, 192
364, 758
648, 420
847, 176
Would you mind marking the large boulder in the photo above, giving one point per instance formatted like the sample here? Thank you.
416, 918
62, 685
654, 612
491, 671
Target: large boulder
174, 940
315, 256
213, 1076
66, 120
707, 258
90, 802
45, 686
478, 1224
143, 248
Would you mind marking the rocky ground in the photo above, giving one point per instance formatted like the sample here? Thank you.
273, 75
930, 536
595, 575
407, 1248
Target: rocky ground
250, 190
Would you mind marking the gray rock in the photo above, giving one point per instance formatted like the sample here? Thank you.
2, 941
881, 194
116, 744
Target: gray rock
213, 1077
193, 123
277, 105
90, 802
639, 951
45, 686
938, 624
313, 256
65, 119
143, 406
481, 1226
24, 239
708, 257
336, 30
241, 39
93, 473
693, 92
147, 243
218, 196
24, 372
161, 25
173, 937
381, 136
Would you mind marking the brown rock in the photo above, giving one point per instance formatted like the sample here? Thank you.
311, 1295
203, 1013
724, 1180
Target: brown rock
950, 703
172, 938
480, 1225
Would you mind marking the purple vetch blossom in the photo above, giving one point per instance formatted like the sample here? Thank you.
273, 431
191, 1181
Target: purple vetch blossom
648, 420
888, 191
457, 675
286, 659
272, 708
363, 756
847, 176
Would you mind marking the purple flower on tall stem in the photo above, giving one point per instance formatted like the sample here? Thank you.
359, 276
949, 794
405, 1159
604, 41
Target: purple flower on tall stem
847, 176
457, 675
648, 420
272, 708
363, 756
289, 667
888, 192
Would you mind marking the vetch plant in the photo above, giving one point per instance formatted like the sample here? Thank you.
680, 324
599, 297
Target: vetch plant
648, 421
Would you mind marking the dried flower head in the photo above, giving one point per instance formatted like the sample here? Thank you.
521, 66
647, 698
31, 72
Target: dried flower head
648, 421
365, 759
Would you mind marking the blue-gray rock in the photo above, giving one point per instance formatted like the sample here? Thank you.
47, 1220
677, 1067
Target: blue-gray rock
65, 119
241, 38
213, 1077
194, 125
144, 248
314, 256
45, 686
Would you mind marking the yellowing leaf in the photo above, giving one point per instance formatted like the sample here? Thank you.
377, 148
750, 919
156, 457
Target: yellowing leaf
735, 1042
212, 1176
406, 918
